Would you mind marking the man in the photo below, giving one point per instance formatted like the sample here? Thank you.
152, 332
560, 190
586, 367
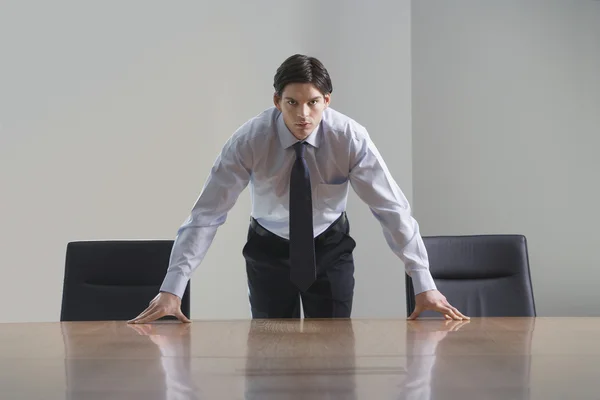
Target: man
300, 158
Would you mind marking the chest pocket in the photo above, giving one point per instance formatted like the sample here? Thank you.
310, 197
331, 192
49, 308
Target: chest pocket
332, 196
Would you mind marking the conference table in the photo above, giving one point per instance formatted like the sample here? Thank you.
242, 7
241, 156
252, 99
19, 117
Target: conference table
484, 358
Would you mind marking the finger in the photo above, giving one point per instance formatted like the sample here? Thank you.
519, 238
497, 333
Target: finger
147, 313
140, 315
415, 313
455, 316
460, 314
181, 316
447, 309
150, 317
144, 313
456, 311
450, 312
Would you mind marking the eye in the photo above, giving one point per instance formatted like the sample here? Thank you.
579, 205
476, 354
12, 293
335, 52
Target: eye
291, 102
313, 102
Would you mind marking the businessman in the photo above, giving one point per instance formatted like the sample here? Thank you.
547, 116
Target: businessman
299, 158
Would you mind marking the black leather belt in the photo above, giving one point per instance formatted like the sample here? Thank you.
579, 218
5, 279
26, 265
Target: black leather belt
339, 225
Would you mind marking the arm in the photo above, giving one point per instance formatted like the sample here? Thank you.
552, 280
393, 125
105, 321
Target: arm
228, 177
374, 184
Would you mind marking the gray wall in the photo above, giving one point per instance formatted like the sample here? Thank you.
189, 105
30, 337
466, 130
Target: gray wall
111, 116
112, 113
506, 123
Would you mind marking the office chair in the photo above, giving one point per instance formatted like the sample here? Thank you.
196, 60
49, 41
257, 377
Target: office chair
482, 276
114, 280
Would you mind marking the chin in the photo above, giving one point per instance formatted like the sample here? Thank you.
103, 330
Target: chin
301, 135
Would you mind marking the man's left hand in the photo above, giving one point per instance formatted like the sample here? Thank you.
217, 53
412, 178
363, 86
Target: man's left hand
434, 300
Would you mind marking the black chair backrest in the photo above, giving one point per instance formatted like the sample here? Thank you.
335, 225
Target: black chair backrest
482, 276
114, 280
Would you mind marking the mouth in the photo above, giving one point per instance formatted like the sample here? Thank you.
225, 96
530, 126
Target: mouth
303, 124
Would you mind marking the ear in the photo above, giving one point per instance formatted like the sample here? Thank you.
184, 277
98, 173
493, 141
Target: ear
277, 101
327, 99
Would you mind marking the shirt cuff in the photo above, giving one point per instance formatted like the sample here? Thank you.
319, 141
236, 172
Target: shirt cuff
174, 283
422, 281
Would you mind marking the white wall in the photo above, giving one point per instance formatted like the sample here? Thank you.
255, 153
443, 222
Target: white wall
506, 123
366, 47
111, 115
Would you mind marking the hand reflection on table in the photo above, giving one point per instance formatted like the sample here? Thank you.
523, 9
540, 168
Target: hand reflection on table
173, 342
484, 360
422, 340
103, 360
297, 359
306, 359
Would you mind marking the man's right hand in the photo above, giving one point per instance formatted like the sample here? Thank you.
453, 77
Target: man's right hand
163, 304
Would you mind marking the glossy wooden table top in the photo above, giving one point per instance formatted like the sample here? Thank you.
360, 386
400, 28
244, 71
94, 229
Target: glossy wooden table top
495, 358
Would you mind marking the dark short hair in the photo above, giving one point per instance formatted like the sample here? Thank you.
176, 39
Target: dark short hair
302, 69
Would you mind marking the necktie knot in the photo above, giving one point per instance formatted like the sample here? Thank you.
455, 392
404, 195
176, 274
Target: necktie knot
299, 147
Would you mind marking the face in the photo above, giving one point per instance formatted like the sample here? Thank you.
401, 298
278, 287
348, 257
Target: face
302, 106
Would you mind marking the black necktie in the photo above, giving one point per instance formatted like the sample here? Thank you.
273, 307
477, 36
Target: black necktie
302, 245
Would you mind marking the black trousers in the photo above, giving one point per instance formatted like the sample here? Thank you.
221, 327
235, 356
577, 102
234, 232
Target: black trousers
271, 293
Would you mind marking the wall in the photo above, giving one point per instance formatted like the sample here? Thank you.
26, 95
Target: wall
506, 115
111, 117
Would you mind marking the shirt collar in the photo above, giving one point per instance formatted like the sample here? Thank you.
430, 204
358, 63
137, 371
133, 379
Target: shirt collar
287, 139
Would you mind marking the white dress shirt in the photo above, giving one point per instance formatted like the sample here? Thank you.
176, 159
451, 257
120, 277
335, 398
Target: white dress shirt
341, 154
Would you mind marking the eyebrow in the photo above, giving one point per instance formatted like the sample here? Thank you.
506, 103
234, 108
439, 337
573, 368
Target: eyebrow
314, 98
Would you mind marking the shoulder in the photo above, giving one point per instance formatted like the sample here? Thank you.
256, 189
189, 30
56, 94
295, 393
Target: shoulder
258, 126
343, 126
254, 129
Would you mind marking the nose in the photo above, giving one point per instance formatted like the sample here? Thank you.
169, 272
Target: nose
304, 111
